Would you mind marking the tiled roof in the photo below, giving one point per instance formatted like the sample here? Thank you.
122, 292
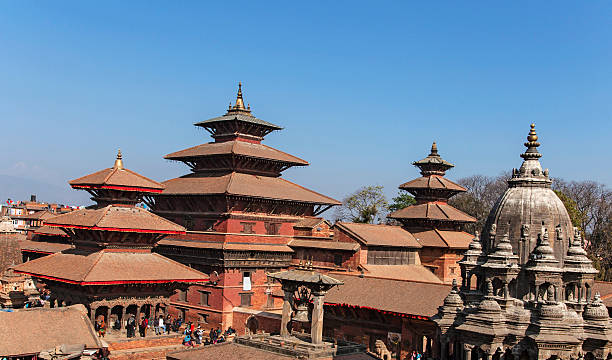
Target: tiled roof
30, 331
240, 184
432, 211
324, 244
309, 223
432, 182
236, 147
81, 267
38, 215
305, 276
50, 231
379, 235
237, 117
118, 218
406, 297
117, 178
44, 247
444, 238
401, 272
604, 288
225, 245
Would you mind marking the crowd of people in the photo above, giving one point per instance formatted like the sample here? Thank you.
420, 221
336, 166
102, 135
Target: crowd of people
195, 335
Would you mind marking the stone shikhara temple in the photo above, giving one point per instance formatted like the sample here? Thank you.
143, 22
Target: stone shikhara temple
111, 269
527, 283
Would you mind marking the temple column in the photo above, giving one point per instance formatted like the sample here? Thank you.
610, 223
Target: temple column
467, 353
506, 290
286, 318
316, 327
138, 314
92, 315
108, 312
537, 293
123, 319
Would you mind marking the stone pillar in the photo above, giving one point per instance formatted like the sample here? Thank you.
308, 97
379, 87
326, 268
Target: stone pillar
138, 314
316, 327
92, 315
506, 291
123, 319
537, 293
467, 353
108, 312
286, 318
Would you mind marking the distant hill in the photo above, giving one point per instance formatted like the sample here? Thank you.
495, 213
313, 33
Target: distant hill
17, 188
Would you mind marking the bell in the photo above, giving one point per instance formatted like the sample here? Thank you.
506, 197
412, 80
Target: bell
301, 313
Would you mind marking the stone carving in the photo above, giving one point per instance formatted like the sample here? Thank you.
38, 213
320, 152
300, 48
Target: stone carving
381, 350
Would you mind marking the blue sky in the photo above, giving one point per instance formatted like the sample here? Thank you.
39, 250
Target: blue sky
361, 88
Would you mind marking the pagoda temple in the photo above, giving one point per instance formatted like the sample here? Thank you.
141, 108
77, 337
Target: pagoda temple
111, 269
436, 225
239, 213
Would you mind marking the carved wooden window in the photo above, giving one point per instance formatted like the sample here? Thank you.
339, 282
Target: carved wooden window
182, 295
245, 299
204, 295
272, 228
247, 227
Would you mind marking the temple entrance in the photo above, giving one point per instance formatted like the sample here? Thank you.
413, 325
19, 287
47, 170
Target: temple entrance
160, 310
252, 325
131, 310
116, 317
101, 313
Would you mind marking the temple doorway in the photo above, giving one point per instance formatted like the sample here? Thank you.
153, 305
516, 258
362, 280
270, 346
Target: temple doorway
252, 325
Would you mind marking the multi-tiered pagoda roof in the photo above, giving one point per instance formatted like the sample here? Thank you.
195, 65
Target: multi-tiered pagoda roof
432, 220
113, 241
237, 167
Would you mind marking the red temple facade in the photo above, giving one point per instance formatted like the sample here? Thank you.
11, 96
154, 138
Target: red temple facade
240, 215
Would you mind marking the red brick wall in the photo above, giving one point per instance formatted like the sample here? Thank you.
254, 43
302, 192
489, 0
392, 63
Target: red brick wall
445, 261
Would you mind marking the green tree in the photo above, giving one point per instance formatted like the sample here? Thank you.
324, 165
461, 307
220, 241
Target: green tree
576, 216
366, 205
402, 200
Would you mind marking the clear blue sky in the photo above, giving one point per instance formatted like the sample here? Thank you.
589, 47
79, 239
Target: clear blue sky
361, 88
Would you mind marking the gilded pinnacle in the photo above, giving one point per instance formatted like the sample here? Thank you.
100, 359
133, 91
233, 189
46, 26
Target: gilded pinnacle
119, 161
532, 137
434, 149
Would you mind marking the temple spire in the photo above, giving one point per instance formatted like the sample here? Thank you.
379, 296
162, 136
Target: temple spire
434, 149
119, 161
239, 107
433, 164
532, 145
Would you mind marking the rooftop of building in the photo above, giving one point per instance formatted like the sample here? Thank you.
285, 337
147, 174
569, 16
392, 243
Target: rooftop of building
379, 234
117, 178
30, 331
415, 298
439, 211
248, 185
109, 266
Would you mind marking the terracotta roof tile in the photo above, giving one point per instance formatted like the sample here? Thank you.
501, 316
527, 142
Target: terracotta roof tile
97, 268
240, 184
432, 182
309, 223
324, 244
30, 331
444, 238
116, 177
433, 211
237, 117
402, 272
50, 231
406, 297
379, 235
225, 246
604, 288
238, 148
38, 215
44, 247
126, 218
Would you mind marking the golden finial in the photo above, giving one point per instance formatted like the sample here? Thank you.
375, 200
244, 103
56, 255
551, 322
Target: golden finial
239, 102
434, 149
119, 161
532, 137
